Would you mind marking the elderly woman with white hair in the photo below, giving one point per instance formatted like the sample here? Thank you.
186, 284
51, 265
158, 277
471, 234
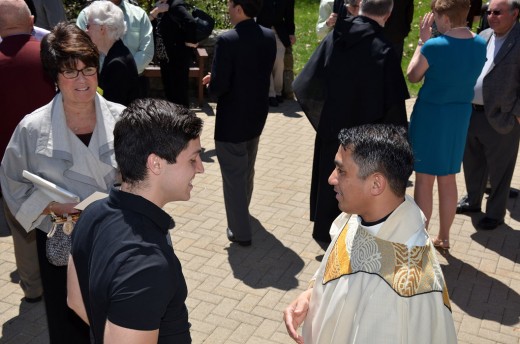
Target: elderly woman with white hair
118, 78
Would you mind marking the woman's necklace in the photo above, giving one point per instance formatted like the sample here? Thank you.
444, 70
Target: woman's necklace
457, 28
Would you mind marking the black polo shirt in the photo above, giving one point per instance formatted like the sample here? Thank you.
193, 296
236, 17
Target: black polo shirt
127, 270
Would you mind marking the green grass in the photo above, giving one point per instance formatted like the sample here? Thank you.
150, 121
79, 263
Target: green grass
306, 16
421, 7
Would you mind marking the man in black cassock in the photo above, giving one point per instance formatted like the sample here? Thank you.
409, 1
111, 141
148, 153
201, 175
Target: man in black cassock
353, 78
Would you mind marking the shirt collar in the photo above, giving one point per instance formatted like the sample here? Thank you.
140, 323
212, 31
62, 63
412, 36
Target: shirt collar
141, 205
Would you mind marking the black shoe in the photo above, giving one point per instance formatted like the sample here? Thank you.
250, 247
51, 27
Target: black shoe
279, 99
487, 223
231, 237
32, 299
322, 240
463, 207
273, 102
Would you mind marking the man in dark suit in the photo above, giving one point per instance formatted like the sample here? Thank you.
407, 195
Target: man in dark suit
398, 26
279, 16
239, 77
354, 77
494, 129
25, 88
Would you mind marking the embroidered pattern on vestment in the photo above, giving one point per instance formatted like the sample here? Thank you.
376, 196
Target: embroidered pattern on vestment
408, 272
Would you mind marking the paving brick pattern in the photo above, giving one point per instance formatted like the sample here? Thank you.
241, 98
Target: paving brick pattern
237, 294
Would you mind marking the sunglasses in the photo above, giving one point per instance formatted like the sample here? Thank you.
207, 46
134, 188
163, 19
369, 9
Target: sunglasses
495, 12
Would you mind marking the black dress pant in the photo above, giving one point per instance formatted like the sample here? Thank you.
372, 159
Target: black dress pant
64, 325
175, 74
237, 166
489, 154
323, 203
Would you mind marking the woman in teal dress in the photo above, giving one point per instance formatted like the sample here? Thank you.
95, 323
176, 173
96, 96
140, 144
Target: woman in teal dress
450, 65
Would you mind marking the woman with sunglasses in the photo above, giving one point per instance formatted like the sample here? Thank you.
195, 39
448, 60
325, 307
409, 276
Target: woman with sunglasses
68, 142
450, 65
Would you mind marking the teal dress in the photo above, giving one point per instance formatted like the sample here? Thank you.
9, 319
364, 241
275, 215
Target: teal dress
440, 117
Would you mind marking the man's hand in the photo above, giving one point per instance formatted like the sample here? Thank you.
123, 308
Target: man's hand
292, 39
206, 80
295, 314
331, 20
162, 6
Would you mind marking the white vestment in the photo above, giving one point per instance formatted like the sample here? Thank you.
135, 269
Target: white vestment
383, 287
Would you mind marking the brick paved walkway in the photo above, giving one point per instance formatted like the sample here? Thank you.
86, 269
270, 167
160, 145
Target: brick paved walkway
236, 294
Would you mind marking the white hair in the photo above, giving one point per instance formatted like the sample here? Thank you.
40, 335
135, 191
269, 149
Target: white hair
109, 15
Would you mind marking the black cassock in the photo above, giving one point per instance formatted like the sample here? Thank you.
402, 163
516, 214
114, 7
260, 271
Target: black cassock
353, 78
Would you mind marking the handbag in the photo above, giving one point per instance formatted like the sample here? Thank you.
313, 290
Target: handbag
59, 243
160, 49
205, 24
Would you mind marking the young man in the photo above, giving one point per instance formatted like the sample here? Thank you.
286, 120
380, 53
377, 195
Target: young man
278, 15
240, 73
124, 278
379, 281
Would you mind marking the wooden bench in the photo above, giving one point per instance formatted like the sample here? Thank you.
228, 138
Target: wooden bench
197, 71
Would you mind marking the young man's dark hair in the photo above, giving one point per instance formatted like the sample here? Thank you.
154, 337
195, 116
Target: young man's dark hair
250, 7
151, 126
380, 148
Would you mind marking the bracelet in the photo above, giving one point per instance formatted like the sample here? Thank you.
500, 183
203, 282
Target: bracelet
420, 42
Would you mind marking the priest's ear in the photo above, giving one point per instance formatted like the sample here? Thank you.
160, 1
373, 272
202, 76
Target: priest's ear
378, 184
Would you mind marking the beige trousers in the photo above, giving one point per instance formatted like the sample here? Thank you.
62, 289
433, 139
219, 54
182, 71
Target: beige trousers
276, 84
25, 255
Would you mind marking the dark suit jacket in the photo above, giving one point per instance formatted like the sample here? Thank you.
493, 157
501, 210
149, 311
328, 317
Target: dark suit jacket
353, 78
118, 78
280, 15
501, 85
242, 65
398, 26
177, 26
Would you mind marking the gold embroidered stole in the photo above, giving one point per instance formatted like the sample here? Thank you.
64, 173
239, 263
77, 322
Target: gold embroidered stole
408, 272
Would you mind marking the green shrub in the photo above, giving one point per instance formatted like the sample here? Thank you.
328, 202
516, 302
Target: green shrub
73, 7
216, 8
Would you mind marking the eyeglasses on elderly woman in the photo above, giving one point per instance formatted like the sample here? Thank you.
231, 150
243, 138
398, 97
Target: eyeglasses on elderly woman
73, 73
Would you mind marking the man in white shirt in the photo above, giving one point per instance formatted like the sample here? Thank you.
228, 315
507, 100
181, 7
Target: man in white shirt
494, 130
